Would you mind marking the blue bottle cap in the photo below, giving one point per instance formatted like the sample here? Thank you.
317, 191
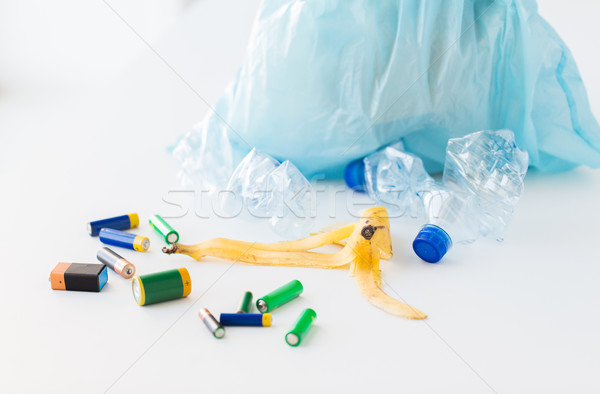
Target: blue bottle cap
432, 243
355, 175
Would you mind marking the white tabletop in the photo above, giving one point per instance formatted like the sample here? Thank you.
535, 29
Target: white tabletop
516, 317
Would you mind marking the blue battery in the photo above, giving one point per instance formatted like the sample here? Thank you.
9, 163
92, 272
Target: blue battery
123, 222
122, 239
245, 319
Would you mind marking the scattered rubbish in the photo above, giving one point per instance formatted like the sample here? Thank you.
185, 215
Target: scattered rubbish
161, 286
122, 239
301, 327
483, 181
246, 303
116, 262
123, 222
367, 242
211, 323
392, 178
164, 229
273, 190
78, 277
246, 319
490, 166
279, 296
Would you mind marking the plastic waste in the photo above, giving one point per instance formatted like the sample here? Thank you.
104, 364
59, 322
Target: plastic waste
490, 166
452, 217
482, 183
208, 154
392, 178
273, 190
313, 91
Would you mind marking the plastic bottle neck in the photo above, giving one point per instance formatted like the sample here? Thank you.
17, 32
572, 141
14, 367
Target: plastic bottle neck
355, 176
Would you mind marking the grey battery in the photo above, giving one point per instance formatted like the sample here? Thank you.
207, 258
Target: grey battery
116, 262
211, 323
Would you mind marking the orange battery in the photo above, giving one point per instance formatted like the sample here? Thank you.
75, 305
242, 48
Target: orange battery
78, 277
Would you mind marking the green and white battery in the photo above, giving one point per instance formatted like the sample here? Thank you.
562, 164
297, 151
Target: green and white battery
246, 303
161, 286
302, 326
163, 228
279, 296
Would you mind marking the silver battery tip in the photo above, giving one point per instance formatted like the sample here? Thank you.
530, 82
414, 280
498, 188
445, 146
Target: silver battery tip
261, 305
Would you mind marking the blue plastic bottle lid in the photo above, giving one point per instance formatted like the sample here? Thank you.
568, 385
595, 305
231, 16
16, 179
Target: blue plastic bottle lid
432, 243
355, 175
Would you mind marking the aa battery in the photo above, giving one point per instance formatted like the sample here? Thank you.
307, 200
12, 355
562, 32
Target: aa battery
122, 239
280, 296
116, 263
302, 326
78, 277
164, 229
123, 222
161, 286
246, 303
211, 323
246, 319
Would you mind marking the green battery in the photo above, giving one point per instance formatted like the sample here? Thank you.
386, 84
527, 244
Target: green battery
163, 228
280, 296
161, 286
302, 326
246, 303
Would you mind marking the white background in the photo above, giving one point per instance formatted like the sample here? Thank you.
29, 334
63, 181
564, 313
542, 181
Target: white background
86, 112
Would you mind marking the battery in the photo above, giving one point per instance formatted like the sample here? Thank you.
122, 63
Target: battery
301, 327
246, 303
116, 263
114, 237
163, 228
78, 276
280, 296
211, 323
161, 286
246, 319
123, 222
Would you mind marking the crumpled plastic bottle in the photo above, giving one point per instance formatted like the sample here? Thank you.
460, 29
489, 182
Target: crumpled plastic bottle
489, 165
208, 154
483, 181
452, 217
273, 190
393, 178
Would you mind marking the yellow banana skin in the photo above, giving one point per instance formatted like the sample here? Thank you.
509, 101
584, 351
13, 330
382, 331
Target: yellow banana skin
367, 242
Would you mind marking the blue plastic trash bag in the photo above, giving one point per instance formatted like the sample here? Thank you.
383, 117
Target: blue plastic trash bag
325, 82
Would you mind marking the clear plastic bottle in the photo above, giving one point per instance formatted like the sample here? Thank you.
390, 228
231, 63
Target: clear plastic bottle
452, 217
483, 181
273, 190
391, 177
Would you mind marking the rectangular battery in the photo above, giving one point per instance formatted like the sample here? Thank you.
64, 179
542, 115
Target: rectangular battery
78, 277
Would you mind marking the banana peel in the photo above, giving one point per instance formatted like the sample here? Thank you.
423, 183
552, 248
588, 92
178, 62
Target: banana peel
367, 242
